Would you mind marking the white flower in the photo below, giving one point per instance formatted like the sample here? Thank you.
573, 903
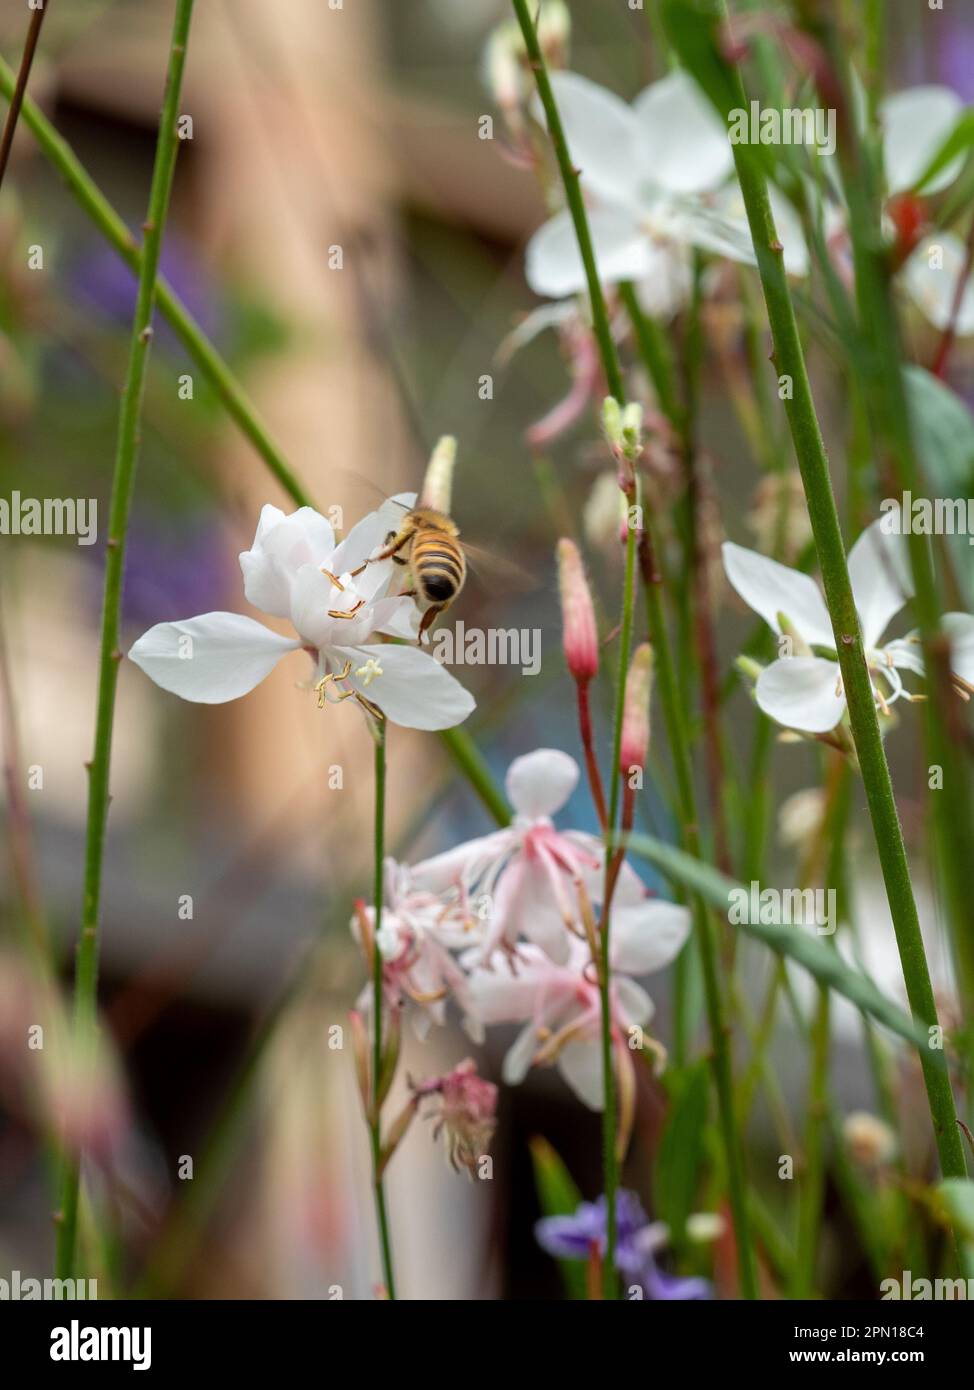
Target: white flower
530, 871
915, 124
295, 570
559, 1002
418, 931
657, 175
805, 691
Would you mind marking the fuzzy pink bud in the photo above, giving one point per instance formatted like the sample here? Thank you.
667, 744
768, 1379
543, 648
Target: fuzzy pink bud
635, 716
579, 633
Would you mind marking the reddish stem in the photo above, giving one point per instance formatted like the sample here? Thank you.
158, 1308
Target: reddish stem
588, 744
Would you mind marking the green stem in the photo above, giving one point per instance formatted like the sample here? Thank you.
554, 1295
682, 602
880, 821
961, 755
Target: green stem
123, 482
375, 1117
789, 360
658, 634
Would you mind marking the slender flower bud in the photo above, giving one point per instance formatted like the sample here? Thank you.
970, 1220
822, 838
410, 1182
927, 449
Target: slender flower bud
438, 482
612, 423
635, 716
579, 634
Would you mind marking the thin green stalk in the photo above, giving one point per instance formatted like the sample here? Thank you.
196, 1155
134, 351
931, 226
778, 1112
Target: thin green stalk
789, 360
672, 710
123, 483
375, 1116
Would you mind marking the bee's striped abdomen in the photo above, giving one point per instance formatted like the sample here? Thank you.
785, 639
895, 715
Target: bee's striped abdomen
438, 566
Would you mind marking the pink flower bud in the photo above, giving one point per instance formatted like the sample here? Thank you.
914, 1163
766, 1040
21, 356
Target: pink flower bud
579, 635
635, 716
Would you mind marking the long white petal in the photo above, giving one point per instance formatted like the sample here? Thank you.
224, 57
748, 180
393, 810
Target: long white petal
647, 936
771, 588
959, 627
931, 275
683, 148
878, 569
411, 688
580, 1063
210, 659
915, 123
800, 692
539, 783
602, 135
553, 264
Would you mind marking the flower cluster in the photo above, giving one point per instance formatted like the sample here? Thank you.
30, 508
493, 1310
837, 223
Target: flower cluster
506, 924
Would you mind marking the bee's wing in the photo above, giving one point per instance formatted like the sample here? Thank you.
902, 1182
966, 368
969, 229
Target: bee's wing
487, 564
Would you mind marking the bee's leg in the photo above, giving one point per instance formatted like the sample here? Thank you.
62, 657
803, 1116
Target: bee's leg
393, 546
429, 618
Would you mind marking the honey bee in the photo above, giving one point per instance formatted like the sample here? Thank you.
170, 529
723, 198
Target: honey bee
435, 557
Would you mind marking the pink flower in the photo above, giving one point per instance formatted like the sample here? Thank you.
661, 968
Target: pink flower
466, 1106
418, 930
530, 871
558, 1002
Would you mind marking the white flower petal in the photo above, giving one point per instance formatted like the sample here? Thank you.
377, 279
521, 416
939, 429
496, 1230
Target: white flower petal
370, 533
720, 225
665, 289
210, 659
601, 133
519, 1056
632, 1002
683, 147
879, 573
915, 124
800, 692
503, 995
282, 546
580, 1063
553, 265
771, 588
959, 627
535, 913
463, 864
540, 783
930, 276
412, 690
647, 936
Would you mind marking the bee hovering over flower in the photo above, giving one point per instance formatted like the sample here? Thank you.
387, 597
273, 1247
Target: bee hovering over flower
435, 557
428, 541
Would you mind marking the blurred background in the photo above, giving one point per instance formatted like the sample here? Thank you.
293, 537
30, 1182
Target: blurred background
313, 128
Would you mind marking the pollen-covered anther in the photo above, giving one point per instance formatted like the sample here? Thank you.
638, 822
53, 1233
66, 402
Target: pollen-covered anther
334, 579
321, 689
346, 612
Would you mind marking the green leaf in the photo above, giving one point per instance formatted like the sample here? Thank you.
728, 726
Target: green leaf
943, 431
958, 142
678, 1162
558, 1196
821, 961
957, 1195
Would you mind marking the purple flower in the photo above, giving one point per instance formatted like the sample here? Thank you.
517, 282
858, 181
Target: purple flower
104, 281
637, 1239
